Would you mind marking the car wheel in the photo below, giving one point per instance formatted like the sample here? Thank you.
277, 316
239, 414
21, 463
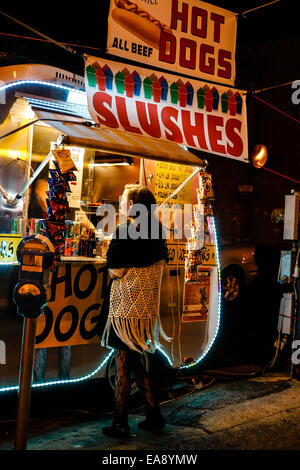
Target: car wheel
232, 284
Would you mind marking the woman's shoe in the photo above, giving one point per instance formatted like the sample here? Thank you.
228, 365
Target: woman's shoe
117, 430
154, 420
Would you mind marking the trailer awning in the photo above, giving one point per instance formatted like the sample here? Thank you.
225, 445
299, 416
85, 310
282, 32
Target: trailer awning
110, 141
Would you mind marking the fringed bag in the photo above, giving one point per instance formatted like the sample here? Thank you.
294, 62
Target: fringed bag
134, 307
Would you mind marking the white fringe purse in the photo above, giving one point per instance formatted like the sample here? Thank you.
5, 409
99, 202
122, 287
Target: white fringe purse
134, 307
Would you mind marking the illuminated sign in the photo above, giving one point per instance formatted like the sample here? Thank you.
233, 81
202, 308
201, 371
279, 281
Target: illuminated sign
176, 253
72, 316
187, 37
207, 256
170, 176
8, 248
199, 115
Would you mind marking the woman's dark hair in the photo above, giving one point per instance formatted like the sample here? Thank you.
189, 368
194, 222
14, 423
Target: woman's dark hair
139, 194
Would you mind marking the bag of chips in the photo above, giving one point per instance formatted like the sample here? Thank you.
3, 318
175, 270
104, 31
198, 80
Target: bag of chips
70, 176
64, 160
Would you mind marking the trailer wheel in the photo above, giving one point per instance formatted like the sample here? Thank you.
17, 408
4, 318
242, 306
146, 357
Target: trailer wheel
232, 281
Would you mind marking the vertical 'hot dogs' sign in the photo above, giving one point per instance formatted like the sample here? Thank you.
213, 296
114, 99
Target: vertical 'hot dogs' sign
200, 115
186, 36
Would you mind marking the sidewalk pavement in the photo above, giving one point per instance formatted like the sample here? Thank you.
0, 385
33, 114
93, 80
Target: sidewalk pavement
261, 413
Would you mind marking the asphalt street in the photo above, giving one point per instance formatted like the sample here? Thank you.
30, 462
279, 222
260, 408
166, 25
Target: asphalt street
257, 413
204, 411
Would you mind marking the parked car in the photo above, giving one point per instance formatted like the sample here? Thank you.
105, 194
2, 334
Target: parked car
238, 267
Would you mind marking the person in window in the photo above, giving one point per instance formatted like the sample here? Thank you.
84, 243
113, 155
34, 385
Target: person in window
135, 260
37, 204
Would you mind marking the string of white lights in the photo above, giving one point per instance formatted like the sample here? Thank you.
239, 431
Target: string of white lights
67, 381
209, 346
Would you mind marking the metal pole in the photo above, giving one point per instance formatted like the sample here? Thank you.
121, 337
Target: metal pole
25, 381
141, 171
28, 169
38, 33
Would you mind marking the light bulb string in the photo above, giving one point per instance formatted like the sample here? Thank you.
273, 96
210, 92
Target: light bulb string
279, 174
48, 40
290, 117
244, 13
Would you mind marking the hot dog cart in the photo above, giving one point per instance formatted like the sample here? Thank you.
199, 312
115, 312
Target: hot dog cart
38, 115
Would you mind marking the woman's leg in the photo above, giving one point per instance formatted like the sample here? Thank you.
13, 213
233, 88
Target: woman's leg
122, 386
154, 419
120, 426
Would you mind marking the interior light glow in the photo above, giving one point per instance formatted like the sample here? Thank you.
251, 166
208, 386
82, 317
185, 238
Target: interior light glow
110, 164
13, 154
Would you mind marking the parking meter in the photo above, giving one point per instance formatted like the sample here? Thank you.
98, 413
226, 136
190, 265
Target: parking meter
36, 256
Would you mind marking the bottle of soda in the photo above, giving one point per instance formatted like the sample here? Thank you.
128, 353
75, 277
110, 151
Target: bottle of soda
83, 243
99, 243
91, 248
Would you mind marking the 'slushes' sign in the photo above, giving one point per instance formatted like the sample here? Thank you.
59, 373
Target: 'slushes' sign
203, 116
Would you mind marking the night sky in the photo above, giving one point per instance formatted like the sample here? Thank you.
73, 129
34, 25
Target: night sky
268, 43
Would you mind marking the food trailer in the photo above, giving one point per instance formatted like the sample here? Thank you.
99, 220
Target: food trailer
44, 109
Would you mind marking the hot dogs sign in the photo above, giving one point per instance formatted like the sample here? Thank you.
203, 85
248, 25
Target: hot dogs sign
186, 36
200, 115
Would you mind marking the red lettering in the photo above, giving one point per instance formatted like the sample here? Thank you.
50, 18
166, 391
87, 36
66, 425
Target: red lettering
123, 116
185, 44
236, 149
215, 135
222, 56
218, 20
196, 13
167, 47
196, 130
168, 116
179, 15
149, 124
104, 115
208, 67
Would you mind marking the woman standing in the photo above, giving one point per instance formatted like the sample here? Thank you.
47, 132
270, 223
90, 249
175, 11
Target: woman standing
135, 259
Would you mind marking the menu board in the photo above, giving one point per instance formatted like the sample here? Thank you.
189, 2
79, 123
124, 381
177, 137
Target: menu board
169, 177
